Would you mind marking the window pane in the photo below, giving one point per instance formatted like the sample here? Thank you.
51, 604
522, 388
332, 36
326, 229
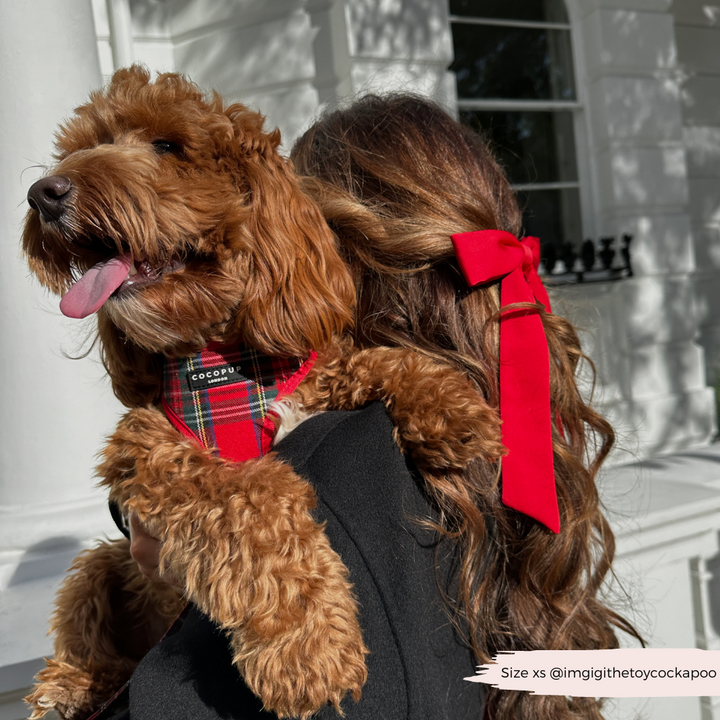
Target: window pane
553, 216
533, 10
533, 147
515, 63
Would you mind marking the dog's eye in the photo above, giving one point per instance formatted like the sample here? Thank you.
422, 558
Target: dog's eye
162, 147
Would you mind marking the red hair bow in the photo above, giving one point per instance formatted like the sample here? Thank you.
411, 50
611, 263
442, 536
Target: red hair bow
528, 471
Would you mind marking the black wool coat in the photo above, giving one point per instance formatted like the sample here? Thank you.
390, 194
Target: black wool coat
371, 502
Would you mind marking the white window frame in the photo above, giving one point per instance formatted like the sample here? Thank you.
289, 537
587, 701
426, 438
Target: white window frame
584, 183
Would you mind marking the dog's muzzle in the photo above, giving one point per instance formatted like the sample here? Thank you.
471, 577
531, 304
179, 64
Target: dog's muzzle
49, 196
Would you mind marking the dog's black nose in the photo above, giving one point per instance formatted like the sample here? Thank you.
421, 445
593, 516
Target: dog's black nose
49, 196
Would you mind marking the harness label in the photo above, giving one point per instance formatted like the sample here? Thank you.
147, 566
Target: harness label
204, 378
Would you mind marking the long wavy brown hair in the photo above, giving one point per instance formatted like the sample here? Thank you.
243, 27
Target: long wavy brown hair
396, 177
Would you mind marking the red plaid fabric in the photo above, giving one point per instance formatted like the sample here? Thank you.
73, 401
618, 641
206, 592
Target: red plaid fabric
222, 396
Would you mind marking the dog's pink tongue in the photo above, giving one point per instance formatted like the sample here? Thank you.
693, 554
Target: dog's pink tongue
91, 291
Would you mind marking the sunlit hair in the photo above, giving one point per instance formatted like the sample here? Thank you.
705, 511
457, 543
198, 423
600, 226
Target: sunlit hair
395, 178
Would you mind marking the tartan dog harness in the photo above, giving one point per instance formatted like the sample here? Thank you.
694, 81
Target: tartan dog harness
222, 396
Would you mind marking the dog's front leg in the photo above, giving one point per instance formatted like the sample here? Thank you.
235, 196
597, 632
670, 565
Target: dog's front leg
107, 615
241, 539
441, 419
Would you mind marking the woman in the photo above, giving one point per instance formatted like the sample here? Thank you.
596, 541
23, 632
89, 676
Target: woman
446, 571
396, 179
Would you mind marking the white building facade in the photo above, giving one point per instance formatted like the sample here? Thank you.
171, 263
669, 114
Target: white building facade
643, 112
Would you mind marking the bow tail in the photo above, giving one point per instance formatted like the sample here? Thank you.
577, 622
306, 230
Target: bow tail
528, 474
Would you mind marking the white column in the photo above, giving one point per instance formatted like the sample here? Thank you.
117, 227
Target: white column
55, 411
121, 32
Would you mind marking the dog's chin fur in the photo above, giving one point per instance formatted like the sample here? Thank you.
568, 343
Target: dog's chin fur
203, 313
238, 252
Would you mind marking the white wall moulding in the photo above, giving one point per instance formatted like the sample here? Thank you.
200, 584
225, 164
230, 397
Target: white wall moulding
705, 201
240, 59
699, 98
291, 109
598, 310
661, 425
102, 32
413, 30
515, 105
189, 18
637, 108
707, 289
629, 40
331, 48
632, 313
702, 145
662, 244
659, 310
400, 47
651, 376
667, 370
382, 76
636, 177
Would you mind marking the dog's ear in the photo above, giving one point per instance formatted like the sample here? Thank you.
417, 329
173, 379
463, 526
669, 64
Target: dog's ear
299, 292
135, 374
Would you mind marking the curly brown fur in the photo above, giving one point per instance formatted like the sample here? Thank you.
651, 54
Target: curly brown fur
439, 418
395, 178
228, 248
107, 616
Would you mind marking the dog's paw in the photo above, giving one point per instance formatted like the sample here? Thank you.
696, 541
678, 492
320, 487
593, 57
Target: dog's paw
65, 689
440, 418
299, 669
306, 651
299, 680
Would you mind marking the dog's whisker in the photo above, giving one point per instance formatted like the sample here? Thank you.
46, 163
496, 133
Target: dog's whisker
50, 252
36, 166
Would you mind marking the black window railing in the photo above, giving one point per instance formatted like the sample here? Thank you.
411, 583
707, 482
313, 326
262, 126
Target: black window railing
603, 261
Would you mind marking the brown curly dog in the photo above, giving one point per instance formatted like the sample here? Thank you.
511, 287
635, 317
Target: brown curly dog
189, 228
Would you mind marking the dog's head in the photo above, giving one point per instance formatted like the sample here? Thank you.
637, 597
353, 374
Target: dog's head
176, 219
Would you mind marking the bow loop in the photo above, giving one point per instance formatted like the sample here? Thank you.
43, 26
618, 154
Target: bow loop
487, 255
528, 474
